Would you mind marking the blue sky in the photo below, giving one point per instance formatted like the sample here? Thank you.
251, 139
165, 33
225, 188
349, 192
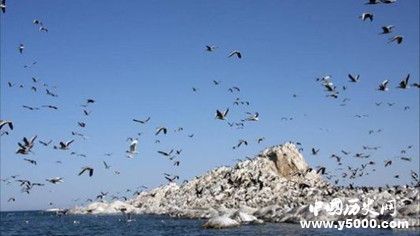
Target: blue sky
142, 58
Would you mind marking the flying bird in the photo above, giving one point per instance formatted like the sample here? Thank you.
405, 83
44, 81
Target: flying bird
36, 22
51, 93
87, 168
106, 165
388, 1
26, 146
372, 2
55, 180
314, 151
404, 83
3, 6
259, 140
354, 79
142, 121
30, 161
132, 150
321, 170
50, 106
166, 153
6, 122
235, 53
366, 15
397, 38
21, 47
383, 86
210, 48
161, 129
252, 117
222, 115
387, 29
64, 145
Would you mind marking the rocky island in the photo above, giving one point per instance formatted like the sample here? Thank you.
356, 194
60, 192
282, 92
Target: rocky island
275, 186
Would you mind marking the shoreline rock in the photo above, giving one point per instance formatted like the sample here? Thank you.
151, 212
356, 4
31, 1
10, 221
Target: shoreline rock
276, 186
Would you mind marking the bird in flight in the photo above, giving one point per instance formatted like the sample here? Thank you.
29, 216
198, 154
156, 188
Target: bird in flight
161, 129
388, 1
210, 48
26, 146
51, 93
372, 2
259, 140
132, 150
3, 6
366, 15
354, 79
55, 180
387, 29
37, 22
43, 29
6, 122
397, 38
64, 145
404, 83
235, 53
30, 161
252, 117
383, 86
142, 121
21, 47
87, 168
314, 151
106, 165
166, 153
221, 115
51, 107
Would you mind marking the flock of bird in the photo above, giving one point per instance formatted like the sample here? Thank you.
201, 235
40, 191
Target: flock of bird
26, 146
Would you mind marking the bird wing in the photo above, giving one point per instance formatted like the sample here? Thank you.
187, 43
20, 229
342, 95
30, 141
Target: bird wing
70, 142
81, 172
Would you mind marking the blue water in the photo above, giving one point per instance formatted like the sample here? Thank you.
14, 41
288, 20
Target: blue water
45, 223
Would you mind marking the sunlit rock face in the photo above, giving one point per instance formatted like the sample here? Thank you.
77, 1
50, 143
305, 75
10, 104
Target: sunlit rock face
276, 186
287, 160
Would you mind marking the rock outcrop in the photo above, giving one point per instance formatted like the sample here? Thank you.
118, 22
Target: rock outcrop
275, 186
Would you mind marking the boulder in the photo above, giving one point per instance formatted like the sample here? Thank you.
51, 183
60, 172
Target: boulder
221, 222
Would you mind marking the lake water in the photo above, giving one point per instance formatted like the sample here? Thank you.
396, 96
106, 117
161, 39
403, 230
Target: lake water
47, 223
